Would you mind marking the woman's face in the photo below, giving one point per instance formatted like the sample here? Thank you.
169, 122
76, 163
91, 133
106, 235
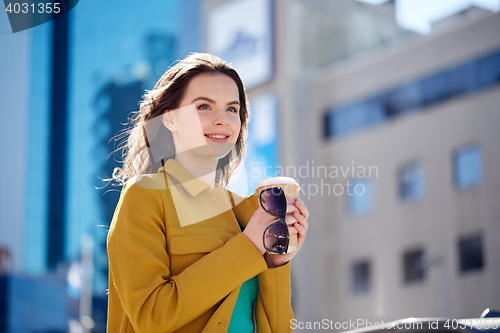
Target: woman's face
207, 122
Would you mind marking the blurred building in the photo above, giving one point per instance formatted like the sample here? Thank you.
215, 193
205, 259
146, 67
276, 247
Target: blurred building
421, 239
393, 136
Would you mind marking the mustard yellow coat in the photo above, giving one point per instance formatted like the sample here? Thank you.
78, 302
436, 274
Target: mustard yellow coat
168, 277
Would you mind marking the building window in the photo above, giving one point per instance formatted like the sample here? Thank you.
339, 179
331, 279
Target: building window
411, 182
353, 117
361, 277
471, 253
413, 96
468, 167
360, 196
414, 265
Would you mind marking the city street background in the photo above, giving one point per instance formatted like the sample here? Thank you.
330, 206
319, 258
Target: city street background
386, 112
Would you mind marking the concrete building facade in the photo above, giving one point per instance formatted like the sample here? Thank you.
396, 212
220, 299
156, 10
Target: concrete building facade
392, 123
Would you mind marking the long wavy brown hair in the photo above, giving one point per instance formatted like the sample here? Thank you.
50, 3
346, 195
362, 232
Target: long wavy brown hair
136, 154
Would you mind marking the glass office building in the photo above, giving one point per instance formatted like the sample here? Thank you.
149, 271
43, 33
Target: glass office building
89, 70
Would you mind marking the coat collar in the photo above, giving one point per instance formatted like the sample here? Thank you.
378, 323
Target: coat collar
186, 179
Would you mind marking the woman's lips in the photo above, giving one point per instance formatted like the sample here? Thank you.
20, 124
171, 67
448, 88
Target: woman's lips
217, 137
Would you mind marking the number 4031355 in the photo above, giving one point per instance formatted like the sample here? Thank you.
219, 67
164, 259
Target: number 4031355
41, 8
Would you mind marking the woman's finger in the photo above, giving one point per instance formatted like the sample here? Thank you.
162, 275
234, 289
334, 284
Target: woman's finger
290, 219
301, 236
291, 208
301, 219
292, 229
302, 208
302, 231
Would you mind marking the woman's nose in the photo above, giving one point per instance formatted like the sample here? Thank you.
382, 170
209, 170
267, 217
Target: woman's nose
221, 118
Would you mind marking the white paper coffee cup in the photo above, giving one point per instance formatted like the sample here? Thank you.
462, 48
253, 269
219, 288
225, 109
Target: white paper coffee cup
291, 189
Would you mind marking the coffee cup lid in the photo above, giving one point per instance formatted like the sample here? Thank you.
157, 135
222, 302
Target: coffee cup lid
278, 180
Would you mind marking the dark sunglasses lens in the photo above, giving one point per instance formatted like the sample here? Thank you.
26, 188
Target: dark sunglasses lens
276, 238
273, 201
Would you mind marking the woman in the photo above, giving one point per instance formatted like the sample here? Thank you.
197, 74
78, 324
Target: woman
186, 255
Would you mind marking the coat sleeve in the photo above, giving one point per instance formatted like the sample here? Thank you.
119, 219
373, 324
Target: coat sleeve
274, 308
153, 300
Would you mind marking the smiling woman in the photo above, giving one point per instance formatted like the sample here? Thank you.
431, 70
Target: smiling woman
142, 152
213, 123
185, 254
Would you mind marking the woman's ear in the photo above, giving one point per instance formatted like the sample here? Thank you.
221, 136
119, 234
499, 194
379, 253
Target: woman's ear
168, 120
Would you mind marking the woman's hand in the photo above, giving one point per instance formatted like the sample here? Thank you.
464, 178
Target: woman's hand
297, 224
255, 228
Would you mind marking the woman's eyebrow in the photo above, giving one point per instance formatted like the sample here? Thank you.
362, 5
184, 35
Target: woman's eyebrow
212, 101
204, 99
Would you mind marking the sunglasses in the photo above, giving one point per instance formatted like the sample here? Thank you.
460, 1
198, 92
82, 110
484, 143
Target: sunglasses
276, 236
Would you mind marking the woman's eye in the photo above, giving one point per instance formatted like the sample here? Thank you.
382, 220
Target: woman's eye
204, 107
231, 109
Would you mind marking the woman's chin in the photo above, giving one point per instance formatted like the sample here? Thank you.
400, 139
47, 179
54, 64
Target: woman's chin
213, 152
220, 150
218, 154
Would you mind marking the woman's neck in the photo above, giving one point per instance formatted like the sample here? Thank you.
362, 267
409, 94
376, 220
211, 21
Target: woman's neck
202, 168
